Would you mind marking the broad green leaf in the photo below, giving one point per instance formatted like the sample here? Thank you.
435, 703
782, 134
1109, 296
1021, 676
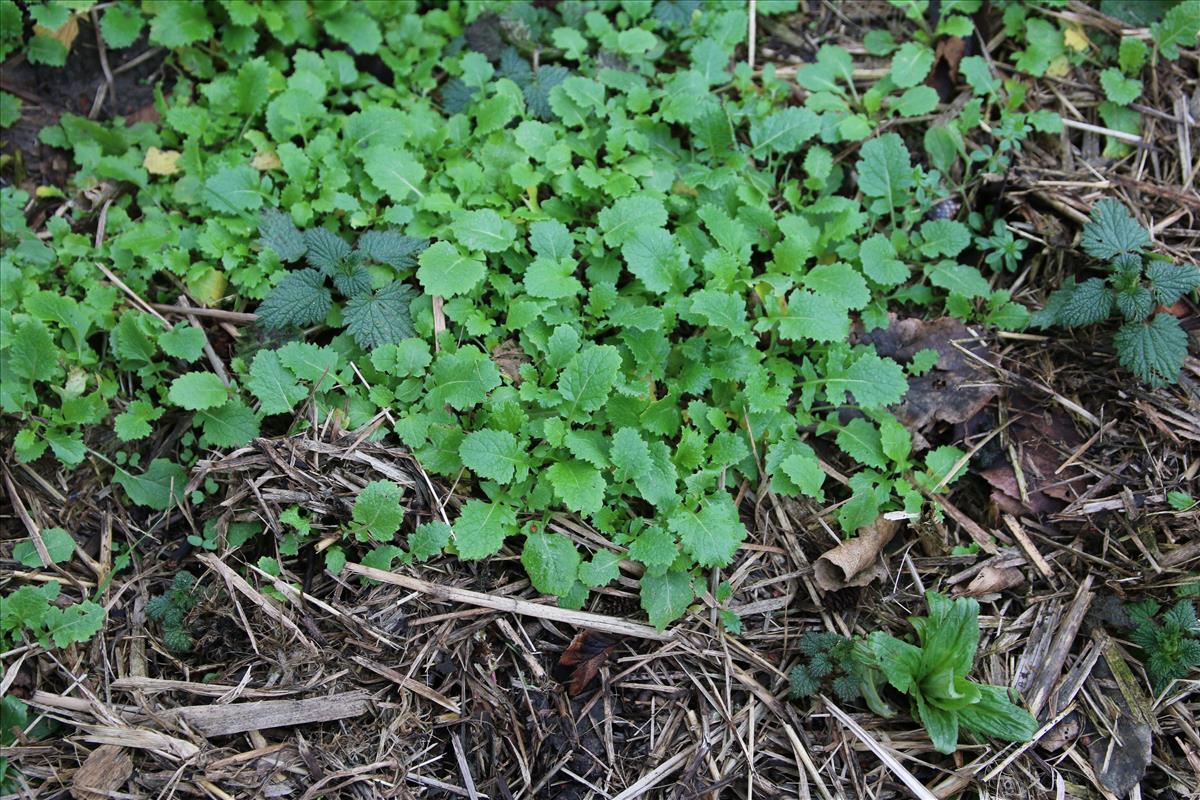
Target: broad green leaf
578, 484
59, 544
377, 511
494, 455
551, 561
159, 487
482, 527
666, 597
230, 425
712, 534
484, 230
446, 272
198, 390
587, 380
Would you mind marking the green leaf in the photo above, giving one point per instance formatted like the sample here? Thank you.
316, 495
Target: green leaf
666, 597
198, 390
997, 716
944, 237
462, 379
308, 362
939, 462
656, 549
429, 539
179, 24
814, 316
654, 258
59, 544
978, 74
391, 247
784, 131
578, 484
446, 272
31, 353
356, 28
712, 534
121, 26
601, 570
1112, 231
840, 283
273, 384
380, 317
134, 421
620, 221
1132, 55
75, 623
184, 341
300, 299
233, 190
1118, 88
1170, 282
879, 261
482, 527
1154, 350
377, 511
494, 455
552, 279
860, 440
916, 101
10, 109
875, 382
884, 169
159, 487
1178, 28
484, 230
551, 561
911, 64
959, 279
230, 425
277, 232
326, 250
1043, 44
394, 171
588, 379
1091, 302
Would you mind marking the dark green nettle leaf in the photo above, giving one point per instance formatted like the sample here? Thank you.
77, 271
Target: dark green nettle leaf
392, 248
301, 298
1171, 282
1112, 231
326, 250
1091, 302
380, 317
1154, 350
352, 278
278, 233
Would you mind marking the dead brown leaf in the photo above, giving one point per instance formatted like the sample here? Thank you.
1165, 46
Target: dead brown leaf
993, 580
954, 390
587, 653
855, 561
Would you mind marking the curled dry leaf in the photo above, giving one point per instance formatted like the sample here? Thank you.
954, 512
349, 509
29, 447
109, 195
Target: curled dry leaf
992, 580
855, 562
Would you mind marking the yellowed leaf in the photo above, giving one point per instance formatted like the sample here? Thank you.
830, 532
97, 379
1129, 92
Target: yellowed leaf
1076, 39
161, 162
208, 287
265, 161
1059, 67
66, 34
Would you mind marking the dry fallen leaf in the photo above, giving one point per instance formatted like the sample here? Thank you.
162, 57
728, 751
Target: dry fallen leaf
587, 653
65, 34
161, 162
854, 562
265, 161
993, 580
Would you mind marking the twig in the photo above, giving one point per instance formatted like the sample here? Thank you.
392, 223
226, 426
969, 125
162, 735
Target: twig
752, 34
884, 754
582, 619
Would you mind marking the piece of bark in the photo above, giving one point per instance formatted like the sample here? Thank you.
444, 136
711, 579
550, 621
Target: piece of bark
853, 562
103, 772
1053, 663
223, 720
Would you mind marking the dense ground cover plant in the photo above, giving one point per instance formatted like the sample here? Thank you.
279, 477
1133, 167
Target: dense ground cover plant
932, 673
600, 265
1169, 642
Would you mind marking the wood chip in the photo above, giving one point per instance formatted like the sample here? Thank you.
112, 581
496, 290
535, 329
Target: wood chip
104, 771
223, 720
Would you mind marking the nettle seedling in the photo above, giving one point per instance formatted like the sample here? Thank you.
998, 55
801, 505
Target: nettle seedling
376, 308
1139, 286
1170, 645
170, 608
